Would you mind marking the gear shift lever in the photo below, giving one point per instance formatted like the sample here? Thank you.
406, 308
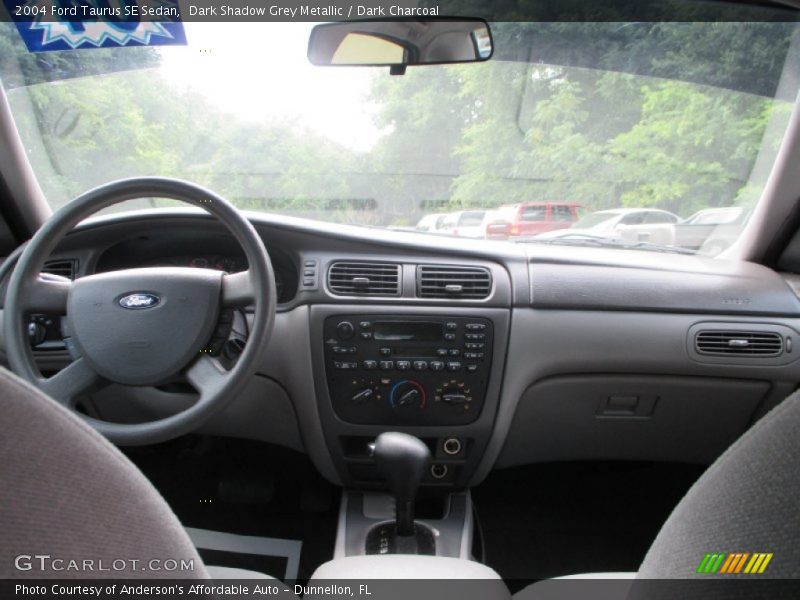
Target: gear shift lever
402, 459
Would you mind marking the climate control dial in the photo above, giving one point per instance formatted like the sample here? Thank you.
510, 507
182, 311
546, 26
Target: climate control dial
408, 393
364, 391
453, 393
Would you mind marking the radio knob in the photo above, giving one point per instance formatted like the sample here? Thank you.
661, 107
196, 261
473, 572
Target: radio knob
408, 393
345, 330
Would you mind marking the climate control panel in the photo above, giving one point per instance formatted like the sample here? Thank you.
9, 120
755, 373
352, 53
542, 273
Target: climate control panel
404, 370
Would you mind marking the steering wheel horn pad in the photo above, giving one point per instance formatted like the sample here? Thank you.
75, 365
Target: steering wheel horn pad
143, 326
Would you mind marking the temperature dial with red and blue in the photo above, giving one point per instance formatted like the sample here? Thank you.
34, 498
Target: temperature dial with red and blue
408, 393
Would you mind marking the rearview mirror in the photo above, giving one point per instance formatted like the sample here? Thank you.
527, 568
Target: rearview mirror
399, 43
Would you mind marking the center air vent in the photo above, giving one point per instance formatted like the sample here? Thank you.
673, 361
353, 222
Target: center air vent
65, 268
739, 343
445, 281
364, 279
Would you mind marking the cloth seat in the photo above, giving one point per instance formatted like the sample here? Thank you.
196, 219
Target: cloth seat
70, 495
745, 502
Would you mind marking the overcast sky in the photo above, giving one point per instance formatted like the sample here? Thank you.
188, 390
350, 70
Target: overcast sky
259, 72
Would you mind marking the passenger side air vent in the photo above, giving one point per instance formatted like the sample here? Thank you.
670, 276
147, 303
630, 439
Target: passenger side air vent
65, 268
739, 343
364, 279
460, 283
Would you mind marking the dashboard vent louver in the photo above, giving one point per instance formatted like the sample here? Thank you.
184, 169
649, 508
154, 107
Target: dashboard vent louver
739, 343
460, 283
65, 268
364, 279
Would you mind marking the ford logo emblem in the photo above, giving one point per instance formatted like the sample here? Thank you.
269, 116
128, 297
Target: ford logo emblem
139, 300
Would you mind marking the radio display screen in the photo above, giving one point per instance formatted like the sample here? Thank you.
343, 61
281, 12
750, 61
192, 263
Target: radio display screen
415, 352
407, 331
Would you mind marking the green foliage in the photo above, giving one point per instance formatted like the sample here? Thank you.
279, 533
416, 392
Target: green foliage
600, 133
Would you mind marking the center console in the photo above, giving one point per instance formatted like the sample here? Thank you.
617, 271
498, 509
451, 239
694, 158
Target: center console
430, 372
393, 369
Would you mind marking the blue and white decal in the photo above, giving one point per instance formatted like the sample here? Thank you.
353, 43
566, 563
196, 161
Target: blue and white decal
49, 25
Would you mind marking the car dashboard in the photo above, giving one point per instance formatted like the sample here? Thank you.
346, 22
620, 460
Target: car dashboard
494, 354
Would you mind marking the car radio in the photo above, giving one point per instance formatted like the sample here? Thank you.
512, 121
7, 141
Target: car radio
404, 370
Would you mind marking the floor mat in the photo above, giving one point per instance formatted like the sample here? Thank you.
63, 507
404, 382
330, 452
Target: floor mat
277, 557
246, 488
550, 520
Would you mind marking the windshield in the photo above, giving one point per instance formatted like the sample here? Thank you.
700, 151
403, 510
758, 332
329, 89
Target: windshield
595, 220
676, 116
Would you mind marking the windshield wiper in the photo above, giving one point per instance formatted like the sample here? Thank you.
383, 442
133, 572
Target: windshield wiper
584, 239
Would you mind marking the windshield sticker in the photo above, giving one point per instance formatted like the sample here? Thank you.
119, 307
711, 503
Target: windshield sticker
50, 25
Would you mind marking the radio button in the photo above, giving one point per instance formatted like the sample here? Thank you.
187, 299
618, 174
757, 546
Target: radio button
387, 365
454, 366
473, 346
455, 352
366, 335
345, 365
365, 324
420, 365
451, 326
476, 326
475, 336
370, 365
472, 367
441, 352
344, 350
403, 365
437, 365
450, 337
385, 351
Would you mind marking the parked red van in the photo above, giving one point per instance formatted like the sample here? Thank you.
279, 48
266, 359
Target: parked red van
532, 218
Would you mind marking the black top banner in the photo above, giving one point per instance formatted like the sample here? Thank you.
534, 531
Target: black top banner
135, 11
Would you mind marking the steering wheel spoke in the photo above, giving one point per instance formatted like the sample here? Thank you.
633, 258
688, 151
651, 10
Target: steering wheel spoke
207, 375
48, 295
70, 382
238, 289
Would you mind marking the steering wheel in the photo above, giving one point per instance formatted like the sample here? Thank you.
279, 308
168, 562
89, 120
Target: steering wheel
144, 326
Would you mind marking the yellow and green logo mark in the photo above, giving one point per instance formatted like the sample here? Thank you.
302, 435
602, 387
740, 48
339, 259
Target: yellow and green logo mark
735, 562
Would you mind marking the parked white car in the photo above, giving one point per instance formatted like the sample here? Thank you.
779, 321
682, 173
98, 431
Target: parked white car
627, 224
470, 223
710, 224
431, 223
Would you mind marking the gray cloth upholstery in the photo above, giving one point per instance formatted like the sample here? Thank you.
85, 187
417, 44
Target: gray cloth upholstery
747, 501
70, 495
